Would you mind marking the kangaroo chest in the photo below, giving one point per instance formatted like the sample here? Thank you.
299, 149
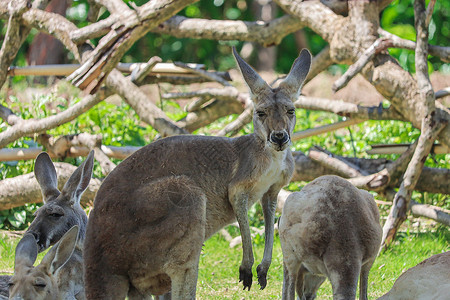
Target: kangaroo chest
271, 174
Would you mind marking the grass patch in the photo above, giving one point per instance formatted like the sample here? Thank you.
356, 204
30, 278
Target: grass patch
219, 265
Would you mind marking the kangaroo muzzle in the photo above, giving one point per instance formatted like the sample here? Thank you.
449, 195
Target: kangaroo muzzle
280, 139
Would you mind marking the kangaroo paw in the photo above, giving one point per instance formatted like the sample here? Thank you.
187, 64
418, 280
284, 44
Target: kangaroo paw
262, 277
246, 277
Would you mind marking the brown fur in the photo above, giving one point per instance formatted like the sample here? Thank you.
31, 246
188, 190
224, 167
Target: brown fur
154, 211
428, 280
329, 229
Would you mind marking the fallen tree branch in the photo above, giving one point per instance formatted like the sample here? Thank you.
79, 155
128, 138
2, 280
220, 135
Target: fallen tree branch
431, 212
13, 154
344, 168
323, 129
24, 189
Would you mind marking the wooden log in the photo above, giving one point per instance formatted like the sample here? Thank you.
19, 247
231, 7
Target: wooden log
324, 129
67, 69
400, 148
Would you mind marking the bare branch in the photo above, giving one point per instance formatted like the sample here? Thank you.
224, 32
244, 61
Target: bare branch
208, 114
323, 129
244, 118
266, 33
114, 6
429, 12
203, 73
143, 106
397, 42
123, 35
442, 93
53, 24
320, 62
314, 15
347, 109
378, 46
13, 38
140, 73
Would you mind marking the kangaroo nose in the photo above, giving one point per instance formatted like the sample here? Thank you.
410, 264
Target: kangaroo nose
279, 137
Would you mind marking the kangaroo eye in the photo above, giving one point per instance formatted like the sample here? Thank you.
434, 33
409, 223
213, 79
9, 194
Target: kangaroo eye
291, 111
10, 284
40, 285
261, 114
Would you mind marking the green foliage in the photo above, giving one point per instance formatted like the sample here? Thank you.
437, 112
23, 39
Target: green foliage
398, 18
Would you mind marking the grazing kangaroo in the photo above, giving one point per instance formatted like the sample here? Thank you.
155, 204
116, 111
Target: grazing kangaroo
155, 209
428, 280
329, 228
53, 277
61, 210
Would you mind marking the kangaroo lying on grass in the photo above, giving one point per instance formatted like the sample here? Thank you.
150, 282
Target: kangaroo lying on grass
329, 228
61, 210
155, 209
428, 280
53, 277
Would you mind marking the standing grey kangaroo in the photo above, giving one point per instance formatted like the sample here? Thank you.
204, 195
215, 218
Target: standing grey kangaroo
155, 209
329, 229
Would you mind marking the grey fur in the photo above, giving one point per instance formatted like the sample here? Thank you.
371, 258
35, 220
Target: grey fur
328, 229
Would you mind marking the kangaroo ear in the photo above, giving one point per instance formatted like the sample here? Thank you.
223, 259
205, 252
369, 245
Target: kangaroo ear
256, 84
297, 75
26, 252
59, 254
45, 174
80, 179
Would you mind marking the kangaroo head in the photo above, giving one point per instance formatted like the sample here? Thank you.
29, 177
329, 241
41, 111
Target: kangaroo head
40, 282
61, 209
274, 110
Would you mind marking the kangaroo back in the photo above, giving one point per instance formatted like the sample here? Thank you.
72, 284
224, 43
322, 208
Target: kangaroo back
329, 229
428, 280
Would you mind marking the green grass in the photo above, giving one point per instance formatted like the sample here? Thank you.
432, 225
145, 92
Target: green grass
219, 265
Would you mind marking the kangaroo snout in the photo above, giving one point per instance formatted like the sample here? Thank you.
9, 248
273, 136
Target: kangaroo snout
280, 138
